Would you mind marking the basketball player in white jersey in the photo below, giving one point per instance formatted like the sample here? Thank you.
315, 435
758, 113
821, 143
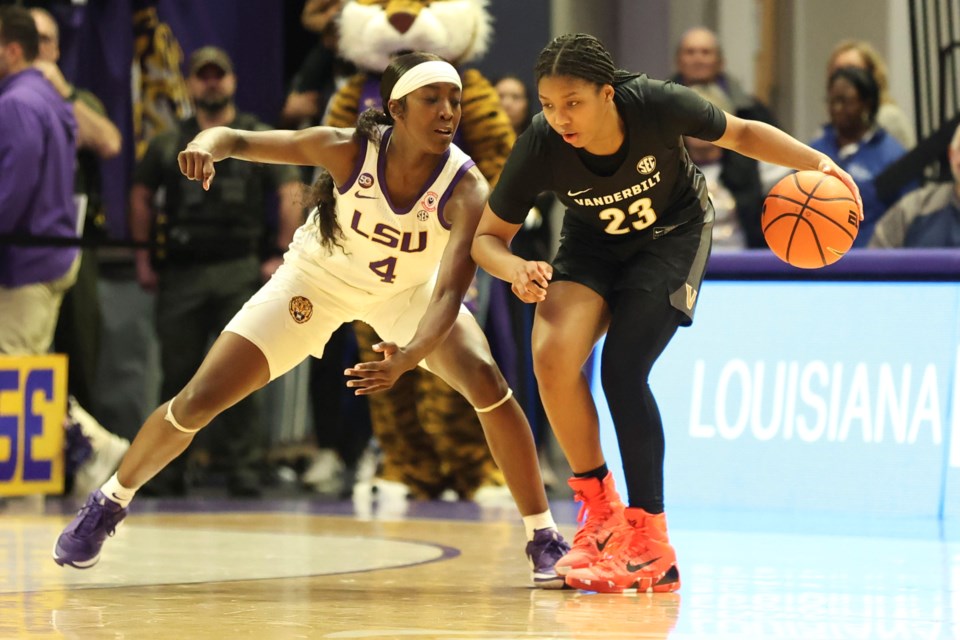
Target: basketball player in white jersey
389, 244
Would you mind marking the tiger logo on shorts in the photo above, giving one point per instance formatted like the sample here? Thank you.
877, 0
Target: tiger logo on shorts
300, 309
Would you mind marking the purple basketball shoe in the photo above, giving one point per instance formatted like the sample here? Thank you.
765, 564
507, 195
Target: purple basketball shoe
543, 551
79, 544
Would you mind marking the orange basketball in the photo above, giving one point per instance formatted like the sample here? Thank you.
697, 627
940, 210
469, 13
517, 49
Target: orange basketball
810, 219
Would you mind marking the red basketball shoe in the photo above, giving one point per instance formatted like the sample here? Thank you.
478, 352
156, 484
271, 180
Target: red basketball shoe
643, 559
601, 514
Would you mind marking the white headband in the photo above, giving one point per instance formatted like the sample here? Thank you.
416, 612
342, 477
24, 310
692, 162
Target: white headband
423, 74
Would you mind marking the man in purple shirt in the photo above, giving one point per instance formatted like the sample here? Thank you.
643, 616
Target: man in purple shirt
37, 156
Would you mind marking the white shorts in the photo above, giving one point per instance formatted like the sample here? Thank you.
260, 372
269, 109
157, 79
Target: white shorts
293, 315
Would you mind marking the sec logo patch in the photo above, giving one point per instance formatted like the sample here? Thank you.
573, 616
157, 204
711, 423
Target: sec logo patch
646, 165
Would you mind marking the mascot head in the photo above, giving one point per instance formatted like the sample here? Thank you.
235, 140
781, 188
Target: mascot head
373, 31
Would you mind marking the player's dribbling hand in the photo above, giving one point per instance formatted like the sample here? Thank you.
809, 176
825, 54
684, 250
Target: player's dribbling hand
530, 281
372, 377
827, 166
197, 164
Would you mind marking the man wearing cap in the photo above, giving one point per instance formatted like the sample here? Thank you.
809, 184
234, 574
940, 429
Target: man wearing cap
210, 255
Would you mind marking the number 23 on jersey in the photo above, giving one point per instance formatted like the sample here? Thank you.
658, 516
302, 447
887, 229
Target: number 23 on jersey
638, 216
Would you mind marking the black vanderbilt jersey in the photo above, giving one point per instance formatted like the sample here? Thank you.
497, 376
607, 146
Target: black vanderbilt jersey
654, 190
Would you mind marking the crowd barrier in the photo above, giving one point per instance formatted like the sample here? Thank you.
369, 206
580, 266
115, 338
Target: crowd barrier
833, 390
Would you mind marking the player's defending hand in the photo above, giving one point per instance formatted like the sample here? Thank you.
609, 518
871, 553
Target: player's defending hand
197, 164
379, 376
530, 280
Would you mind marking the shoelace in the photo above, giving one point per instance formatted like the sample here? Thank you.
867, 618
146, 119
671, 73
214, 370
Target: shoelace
555, 546
590, 518
92, 518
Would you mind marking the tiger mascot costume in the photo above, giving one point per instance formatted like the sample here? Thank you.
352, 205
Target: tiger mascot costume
429, 434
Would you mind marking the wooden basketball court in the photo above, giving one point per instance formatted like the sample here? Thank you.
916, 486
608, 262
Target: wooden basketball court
440, 571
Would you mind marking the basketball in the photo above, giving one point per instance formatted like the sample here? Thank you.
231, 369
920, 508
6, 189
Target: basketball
810, 219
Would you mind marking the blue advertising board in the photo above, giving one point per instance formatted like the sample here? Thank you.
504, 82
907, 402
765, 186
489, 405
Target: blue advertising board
831, 396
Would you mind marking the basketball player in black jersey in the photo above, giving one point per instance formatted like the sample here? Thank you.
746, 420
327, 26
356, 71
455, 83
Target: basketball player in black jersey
633, 250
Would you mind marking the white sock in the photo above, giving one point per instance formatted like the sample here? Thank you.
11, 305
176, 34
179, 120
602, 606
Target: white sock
117, 492
538, 521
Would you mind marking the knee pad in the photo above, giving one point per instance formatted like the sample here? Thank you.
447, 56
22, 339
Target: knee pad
497, 403
176, 425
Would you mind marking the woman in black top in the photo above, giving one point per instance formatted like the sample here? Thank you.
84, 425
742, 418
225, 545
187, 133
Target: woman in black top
634, 246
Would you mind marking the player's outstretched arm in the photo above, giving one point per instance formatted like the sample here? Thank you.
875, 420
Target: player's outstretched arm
333, 149
761, 141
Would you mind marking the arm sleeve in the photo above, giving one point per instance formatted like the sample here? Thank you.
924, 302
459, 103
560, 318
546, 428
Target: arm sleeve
523, 178
682, 112
21, 156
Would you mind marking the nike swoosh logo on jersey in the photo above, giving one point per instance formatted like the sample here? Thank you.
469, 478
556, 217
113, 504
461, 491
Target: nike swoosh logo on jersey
363, 197
576, 193
659, 232
601, 545
637, 567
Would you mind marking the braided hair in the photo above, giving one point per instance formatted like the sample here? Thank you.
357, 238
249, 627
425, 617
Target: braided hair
331, 235
579, 55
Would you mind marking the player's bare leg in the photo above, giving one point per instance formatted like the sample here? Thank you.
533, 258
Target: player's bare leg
464, 361
233, 369
566, 328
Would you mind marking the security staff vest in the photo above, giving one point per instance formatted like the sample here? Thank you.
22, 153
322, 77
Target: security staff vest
226, 222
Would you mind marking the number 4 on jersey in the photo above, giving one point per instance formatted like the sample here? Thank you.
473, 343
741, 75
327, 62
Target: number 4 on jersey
385, 269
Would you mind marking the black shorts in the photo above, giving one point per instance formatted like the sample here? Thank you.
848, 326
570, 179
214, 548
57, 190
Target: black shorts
671, 260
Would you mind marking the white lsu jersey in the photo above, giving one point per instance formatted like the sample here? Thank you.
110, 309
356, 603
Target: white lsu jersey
386, 249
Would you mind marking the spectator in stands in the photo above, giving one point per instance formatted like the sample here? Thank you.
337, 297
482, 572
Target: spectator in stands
208, 261
860, 54
514, 100
37, 157
855, 142
734, 186
322, 71
78, 330
700, 62
93, 453
728, 232
341, 420
700, 66
928, 217
535, 240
